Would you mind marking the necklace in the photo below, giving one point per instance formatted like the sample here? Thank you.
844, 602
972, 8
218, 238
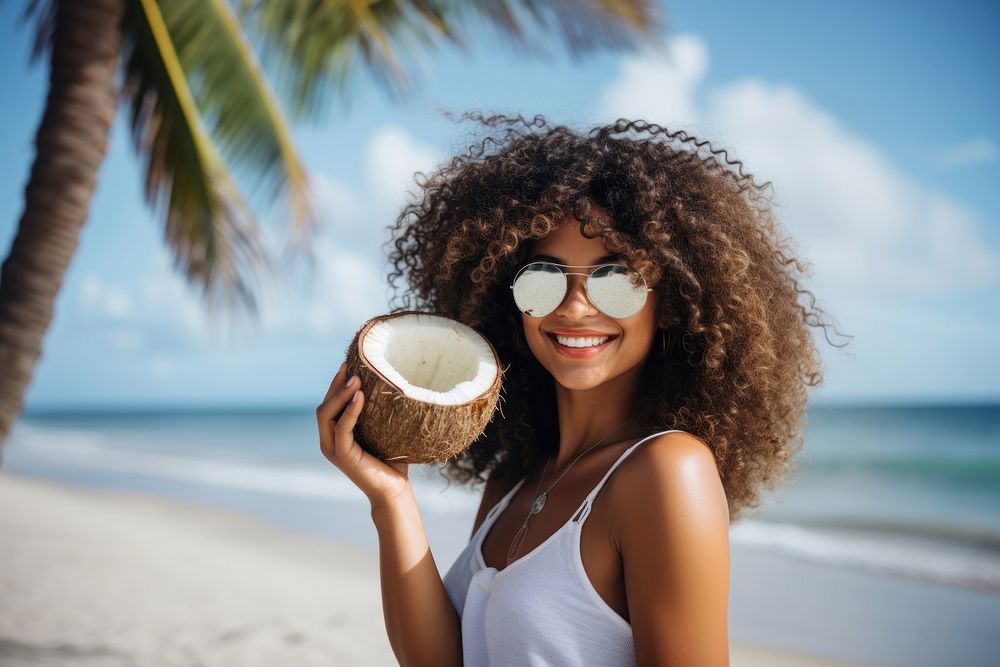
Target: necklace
540, 499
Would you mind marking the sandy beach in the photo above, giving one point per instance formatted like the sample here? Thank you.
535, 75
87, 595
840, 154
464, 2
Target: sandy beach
110, 578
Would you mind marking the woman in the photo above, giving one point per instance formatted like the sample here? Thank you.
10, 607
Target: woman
656, 360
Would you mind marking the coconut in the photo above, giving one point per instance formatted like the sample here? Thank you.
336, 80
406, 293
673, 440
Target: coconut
431, 384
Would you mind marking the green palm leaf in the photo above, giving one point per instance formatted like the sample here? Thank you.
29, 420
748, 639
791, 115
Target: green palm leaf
318, 41
232, 92
209, 227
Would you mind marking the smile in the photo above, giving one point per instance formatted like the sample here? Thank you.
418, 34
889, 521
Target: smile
580, 347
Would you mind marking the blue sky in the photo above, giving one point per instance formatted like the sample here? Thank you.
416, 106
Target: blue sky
877, 123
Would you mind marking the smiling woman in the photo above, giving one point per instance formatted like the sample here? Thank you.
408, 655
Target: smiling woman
656, 361
733, 355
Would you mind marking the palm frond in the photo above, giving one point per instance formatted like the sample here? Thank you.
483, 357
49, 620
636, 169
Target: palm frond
318, 41
235, 98
209, 228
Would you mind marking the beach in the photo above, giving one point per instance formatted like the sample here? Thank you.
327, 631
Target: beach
105, 578
109, 578
199, 537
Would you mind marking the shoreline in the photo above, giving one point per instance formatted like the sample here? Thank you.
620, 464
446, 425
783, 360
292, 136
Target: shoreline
108, 577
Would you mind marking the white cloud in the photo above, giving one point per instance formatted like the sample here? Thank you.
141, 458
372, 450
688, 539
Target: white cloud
165, 307
349, 290
392, 159
99, 298
975, 151
856, 217
351, 222
349, 283
660, 83
340, 201
170, 304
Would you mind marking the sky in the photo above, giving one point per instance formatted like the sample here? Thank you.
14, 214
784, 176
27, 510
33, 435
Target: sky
876, 123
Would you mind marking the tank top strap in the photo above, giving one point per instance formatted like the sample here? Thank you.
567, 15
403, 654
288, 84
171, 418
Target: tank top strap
584, 510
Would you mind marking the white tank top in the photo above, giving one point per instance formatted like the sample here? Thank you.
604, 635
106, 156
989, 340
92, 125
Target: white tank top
541, 609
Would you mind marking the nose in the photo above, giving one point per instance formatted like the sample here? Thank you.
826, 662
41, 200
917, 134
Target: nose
576, 304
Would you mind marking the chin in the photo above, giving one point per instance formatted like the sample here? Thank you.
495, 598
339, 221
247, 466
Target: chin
578, 378
581, 386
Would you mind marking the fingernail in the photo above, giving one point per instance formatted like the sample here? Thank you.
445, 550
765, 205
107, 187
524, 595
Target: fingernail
357, 395
354, 378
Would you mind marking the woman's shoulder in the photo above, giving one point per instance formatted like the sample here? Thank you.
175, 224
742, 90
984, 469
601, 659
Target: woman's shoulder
669, 452
663, 479
675, 437
671, 526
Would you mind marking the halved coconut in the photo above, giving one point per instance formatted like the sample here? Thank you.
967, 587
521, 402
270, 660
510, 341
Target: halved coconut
431, 384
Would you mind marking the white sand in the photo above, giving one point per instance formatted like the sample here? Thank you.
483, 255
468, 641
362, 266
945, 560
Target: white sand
105, 578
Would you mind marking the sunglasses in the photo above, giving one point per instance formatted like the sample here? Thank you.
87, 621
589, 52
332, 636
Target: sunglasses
539, 288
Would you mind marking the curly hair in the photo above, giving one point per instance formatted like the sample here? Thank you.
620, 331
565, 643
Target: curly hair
739, 354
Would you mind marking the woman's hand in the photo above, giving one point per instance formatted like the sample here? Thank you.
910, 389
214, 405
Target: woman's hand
337, 414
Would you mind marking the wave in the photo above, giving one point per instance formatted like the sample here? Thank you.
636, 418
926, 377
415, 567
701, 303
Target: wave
979, 470
87, 450
899, 552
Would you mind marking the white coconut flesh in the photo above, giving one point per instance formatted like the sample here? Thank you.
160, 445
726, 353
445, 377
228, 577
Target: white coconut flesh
431, 359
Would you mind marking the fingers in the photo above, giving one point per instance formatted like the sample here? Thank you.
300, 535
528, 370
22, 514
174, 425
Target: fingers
326, 411
344, 427
336, 441
336, 379
338, 394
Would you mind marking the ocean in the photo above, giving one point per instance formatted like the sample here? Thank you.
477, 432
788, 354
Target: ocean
904, 492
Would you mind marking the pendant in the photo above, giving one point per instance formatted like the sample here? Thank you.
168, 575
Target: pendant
539, 503
516, 542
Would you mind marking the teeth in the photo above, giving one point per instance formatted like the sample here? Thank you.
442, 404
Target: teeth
589, 341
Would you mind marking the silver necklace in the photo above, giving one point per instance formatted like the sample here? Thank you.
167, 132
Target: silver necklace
540, 499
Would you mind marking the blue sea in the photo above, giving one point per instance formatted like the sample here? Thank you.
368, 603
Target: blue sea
904, 493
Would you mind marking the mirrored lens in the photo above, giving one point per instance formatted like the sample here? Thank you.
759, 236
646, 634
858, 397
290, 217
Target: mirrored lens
616, 291
539, 289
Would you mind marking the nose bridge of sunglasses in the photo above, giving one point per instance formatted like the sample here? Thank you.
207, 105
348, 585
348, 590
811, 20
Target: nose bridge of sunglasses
576, 282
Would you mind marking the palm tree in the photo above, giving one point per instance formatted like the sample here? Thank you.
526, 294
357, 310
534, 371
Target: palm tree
201, 110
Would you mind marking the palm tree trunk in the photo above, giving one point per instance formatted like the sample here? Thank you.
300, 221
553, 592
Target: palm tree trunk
70, 145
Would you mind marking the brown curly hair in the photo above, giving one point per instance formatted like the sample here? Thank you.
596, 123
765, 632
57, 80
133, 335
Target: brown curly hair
739, 352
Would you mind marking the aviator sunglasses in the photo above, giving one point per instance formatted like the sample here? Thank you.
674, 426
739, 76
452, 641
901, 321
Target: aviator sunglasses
539, 288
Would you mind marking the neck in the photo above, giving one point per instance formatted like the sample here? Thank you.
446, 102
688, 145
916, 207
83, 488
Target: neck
586, 416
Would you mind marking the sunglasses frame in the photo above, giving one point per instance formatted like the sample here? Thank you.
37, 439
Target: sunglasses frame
586, 289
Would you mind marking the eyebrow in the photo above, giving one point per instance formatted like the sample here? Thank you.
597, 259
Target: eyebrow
560, 261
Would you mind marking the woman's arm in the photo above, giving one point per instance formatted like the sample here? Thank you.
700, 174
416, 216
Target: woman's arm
673, 534
411, 586
421, 623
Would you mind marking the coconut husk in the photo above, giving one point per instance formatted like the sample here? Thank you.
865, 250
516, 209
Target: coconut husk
397, 427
